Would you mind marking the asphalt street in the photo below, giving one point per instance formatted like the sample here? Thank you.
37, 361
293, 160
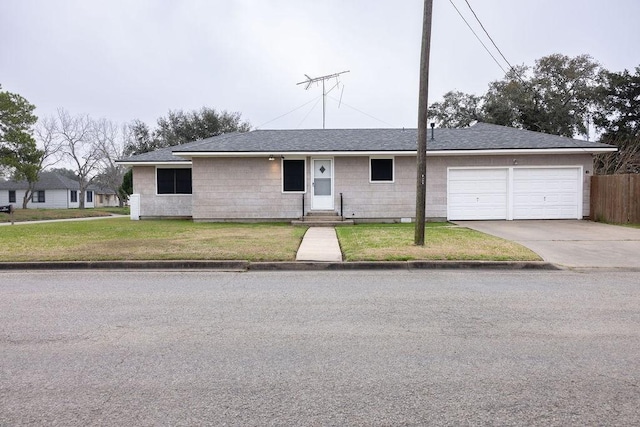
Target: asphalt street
418, 347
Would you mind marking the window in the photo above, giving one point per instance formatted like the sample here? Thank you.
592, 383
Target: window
12, 196
381, 170
74, 196
293, 176
38, 196
173, 181
89, 196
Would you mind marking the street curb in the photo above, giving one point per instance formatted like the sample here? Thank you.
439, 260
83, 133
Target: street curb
127, 265
278, 266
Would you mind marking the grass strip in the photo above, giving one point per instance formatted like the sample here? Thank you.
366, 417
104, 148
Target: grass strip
443, 241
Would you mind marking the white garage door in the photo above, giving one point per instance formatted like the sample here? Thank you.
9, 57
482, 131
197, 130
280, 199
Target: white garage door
514, 193
546, 193
477, 194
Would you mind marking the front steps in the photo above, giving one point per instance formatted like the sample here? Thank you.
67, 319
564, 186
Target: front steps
322, 219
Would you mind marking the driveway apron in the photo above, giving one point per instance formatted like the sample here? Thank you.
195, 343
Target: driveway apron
570, 243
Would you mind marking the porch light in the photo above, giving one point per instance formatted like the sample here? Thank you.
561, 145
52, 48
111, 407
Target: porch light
271, 158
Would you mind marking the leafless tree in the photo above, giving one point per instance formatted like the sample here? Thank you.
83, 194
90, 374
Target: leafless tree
111, 141
625, 160
46, 135
78, 138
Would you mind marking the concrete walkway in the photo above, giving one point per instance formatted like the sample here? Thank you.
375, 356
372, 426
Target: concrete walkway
90, 218
320, 244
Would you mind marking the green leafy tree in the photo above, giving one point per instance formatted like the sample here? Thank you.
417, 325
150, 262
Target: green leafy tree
457, 109
126, 189
554, 96
18, 149
179, 127
617, 116
618, 105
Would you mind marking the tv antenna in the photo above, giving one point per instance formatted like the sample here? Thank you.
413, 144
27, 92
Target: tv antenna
323, 79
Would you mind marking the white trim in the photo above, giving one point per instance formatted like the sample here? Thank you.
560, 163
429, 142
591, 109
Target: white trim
166, 166
393, 169
282, 159
521, 151
156, 163
491, 152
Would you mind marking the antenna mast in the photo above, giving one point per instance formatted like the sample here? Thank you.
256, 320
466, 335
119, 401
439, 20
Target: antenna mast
311, 80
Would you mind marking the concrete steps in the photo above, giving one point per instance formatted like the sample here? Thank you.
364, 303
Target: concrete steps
322, 219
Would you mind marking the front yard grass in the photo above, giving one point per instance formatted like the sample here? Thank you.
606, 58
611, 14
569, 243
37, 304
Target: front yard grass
123, 239
443, 241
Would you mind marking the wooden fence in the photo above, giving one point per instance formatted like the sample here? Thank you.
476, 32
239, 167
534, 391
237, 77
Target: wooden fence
615, 198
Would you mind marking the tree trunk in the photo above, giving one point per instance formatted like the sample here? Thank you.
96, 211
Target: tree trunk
25, 199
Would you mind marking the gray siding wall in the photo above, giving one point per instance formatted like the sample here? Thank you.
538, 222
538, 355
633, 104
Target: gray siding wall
242, 188
251, 188
154, 205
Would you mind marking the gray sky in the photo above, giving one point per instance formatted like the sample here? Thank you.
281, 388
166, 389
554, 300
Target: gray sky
137, 59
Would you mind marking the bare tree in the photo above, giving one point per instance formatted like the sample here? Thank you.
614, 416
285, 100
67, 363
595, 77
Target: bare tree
78, 137
625, 160
111, 142
49, 145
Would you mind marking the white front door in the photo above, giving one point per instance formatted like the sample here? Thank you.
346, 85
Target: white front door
322, 184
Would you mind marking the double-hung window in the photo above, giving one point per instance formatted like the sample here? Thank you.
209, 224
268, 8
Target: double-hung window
38, 196
173, 181
89, 196
12, 196
73, 196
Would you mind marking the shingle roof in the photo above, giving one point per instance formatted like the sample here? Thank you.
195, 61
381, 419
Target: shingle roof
46, 181
481, 136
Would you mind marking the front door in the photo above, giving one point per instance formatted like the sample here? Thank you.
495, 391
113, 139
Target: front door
322, 184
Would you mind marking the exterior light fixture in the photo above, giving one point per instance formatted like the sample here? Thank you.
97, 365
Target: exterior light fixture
271, 158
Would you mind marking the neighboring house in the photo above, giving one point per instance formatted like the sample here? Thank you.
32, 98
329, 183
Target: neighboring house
481, 172
105, 198
52, 191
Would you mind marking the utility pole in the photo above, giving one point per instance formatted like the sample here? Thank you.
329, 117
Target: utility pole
421, 182
311, 80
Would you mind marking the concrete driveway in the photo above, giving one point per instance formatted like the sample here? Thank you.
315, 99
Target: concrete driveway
570, 243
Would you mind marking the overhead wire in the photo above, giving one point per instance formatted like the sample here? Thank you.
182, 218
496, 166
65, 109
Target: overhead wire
289, 112
360, 111
477, 37
308, 113
490, 38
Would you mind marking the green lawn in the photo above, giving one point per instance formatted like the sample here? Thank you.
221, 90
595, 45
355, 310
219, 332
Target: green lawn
443, 241
123, 239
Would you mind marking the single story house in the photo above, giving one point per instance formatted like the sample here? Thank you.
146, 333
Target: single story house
52, 191
481, 172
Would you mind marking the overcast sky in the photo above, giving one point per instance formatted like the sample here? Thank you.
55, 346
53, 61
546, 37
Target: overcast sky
138, 59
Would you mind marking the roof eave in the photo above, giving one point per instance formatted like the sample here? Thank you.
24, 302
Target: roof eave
484, 152
153, 163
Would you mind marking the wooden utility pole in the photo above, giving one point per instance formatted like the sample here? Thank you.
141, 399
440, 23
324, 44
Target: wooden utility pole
421, 183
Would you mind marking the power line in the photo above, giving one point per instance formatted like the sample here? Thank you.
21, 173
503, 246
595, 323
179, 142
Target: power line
490, 38
474, 33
